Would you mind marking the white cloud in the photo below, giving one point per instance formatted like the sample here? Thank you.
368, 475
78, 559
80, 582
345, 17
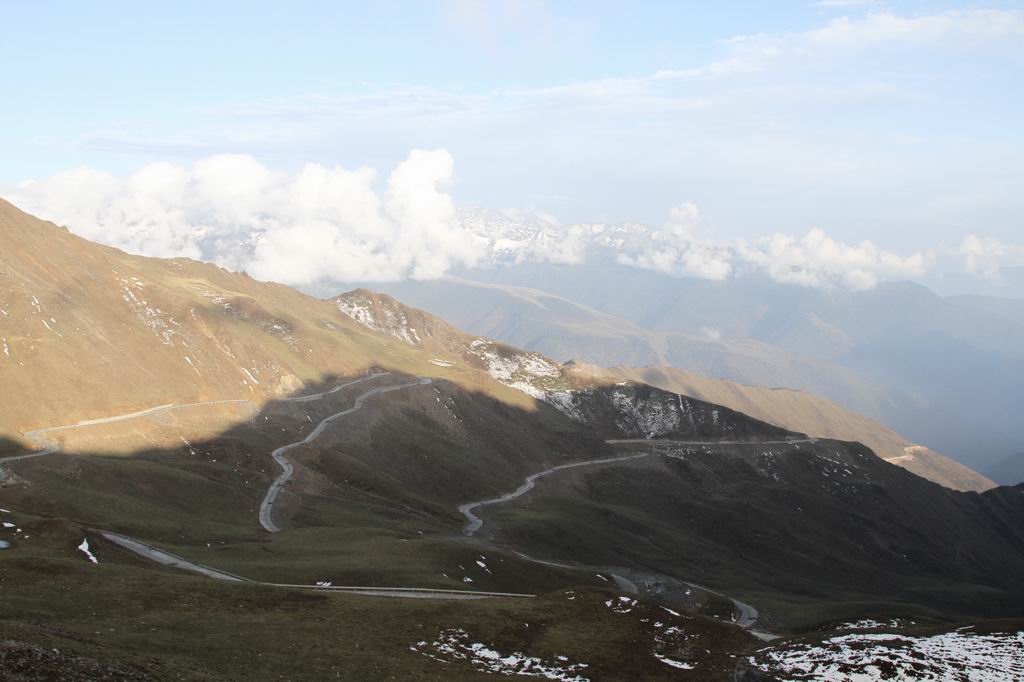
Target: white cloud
814, 260
985, 256
319, 225
951, 30
325, 225
684, 216
817, 260
680, 250
884, 27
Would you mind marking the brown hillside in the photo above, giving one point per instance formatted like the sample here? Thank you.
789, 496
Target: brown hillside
88, 331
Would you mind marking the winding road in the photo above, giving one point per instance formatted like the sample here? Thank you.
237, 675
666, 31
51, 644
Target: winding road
288, 469
165, 558
746, 615
474, 522
49, 446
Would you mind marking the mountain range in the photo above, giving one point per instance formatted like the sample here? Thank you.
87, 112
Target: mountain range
897, 352
199, 469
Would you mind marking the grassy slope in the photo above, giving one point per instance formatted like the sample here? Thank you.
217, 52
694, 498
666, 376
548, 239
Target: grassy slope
351, 500
173, 626
93, 332
786, 529
362, 497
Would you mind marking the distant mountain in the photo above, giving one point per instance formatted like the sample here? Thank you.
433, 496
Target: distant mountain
900, 380
795, 410
1009, 283
952, 368
565, 330
1009, 471
577, 482
510, 236
612, 408
807, 413
1009, 308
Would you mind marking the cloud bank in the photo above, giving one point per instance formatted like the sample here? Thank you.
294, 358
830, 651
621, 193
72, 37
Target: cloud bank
986, 257
681, 250
818, 260
320, 224
814, 260
324, 225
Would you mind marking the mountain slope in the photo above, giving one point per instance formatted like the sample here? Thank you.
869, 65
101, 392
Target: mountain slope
564, 330
612, 408
755, 511
579, 483
898, 335
87, 332
800, 411
1009, 471
794, 410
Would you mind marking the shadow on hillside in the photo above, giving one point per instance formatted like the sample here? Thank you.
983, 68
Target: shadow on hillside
10, 447
718, 517
419, 450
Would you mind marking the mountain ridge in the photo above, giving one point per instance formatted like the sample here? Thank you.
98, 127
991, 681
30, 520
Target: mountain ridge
387, 315
640, 496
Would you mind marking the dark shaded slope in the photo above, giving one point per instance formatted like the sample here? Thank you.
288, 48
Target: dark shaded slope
800, 531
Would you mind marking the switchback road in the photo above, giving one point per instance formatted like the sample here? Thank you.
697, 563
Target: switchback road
288, 469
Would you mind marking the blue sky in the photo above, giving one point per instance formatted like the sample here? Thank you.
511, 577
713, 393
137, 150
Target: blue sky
896, 122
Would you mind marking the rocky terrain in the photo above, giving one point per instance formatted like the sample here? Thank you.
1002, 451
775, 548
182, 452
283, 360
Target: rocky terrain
807, 413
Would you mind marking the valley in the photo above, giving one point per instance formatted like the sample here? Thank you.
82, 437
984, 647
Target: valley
372, 461
479, 340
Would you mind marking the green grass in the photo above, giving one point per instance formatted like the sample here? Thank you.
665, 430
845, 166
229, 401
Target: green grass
175, 626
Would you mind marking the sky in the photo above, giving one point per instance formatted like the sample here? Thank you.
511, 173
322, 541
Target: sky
336, 136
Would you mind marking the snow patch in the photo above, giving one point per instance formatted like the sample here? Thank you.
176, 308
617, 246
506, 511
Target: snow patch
674, 663
153, 318
854, 657
84, 547
621, 605
394, 323
868, 624
47, 325
454, 645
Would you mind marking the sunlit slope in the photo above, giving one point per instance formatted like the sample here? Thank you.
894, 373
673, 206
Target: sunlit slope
88, 331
